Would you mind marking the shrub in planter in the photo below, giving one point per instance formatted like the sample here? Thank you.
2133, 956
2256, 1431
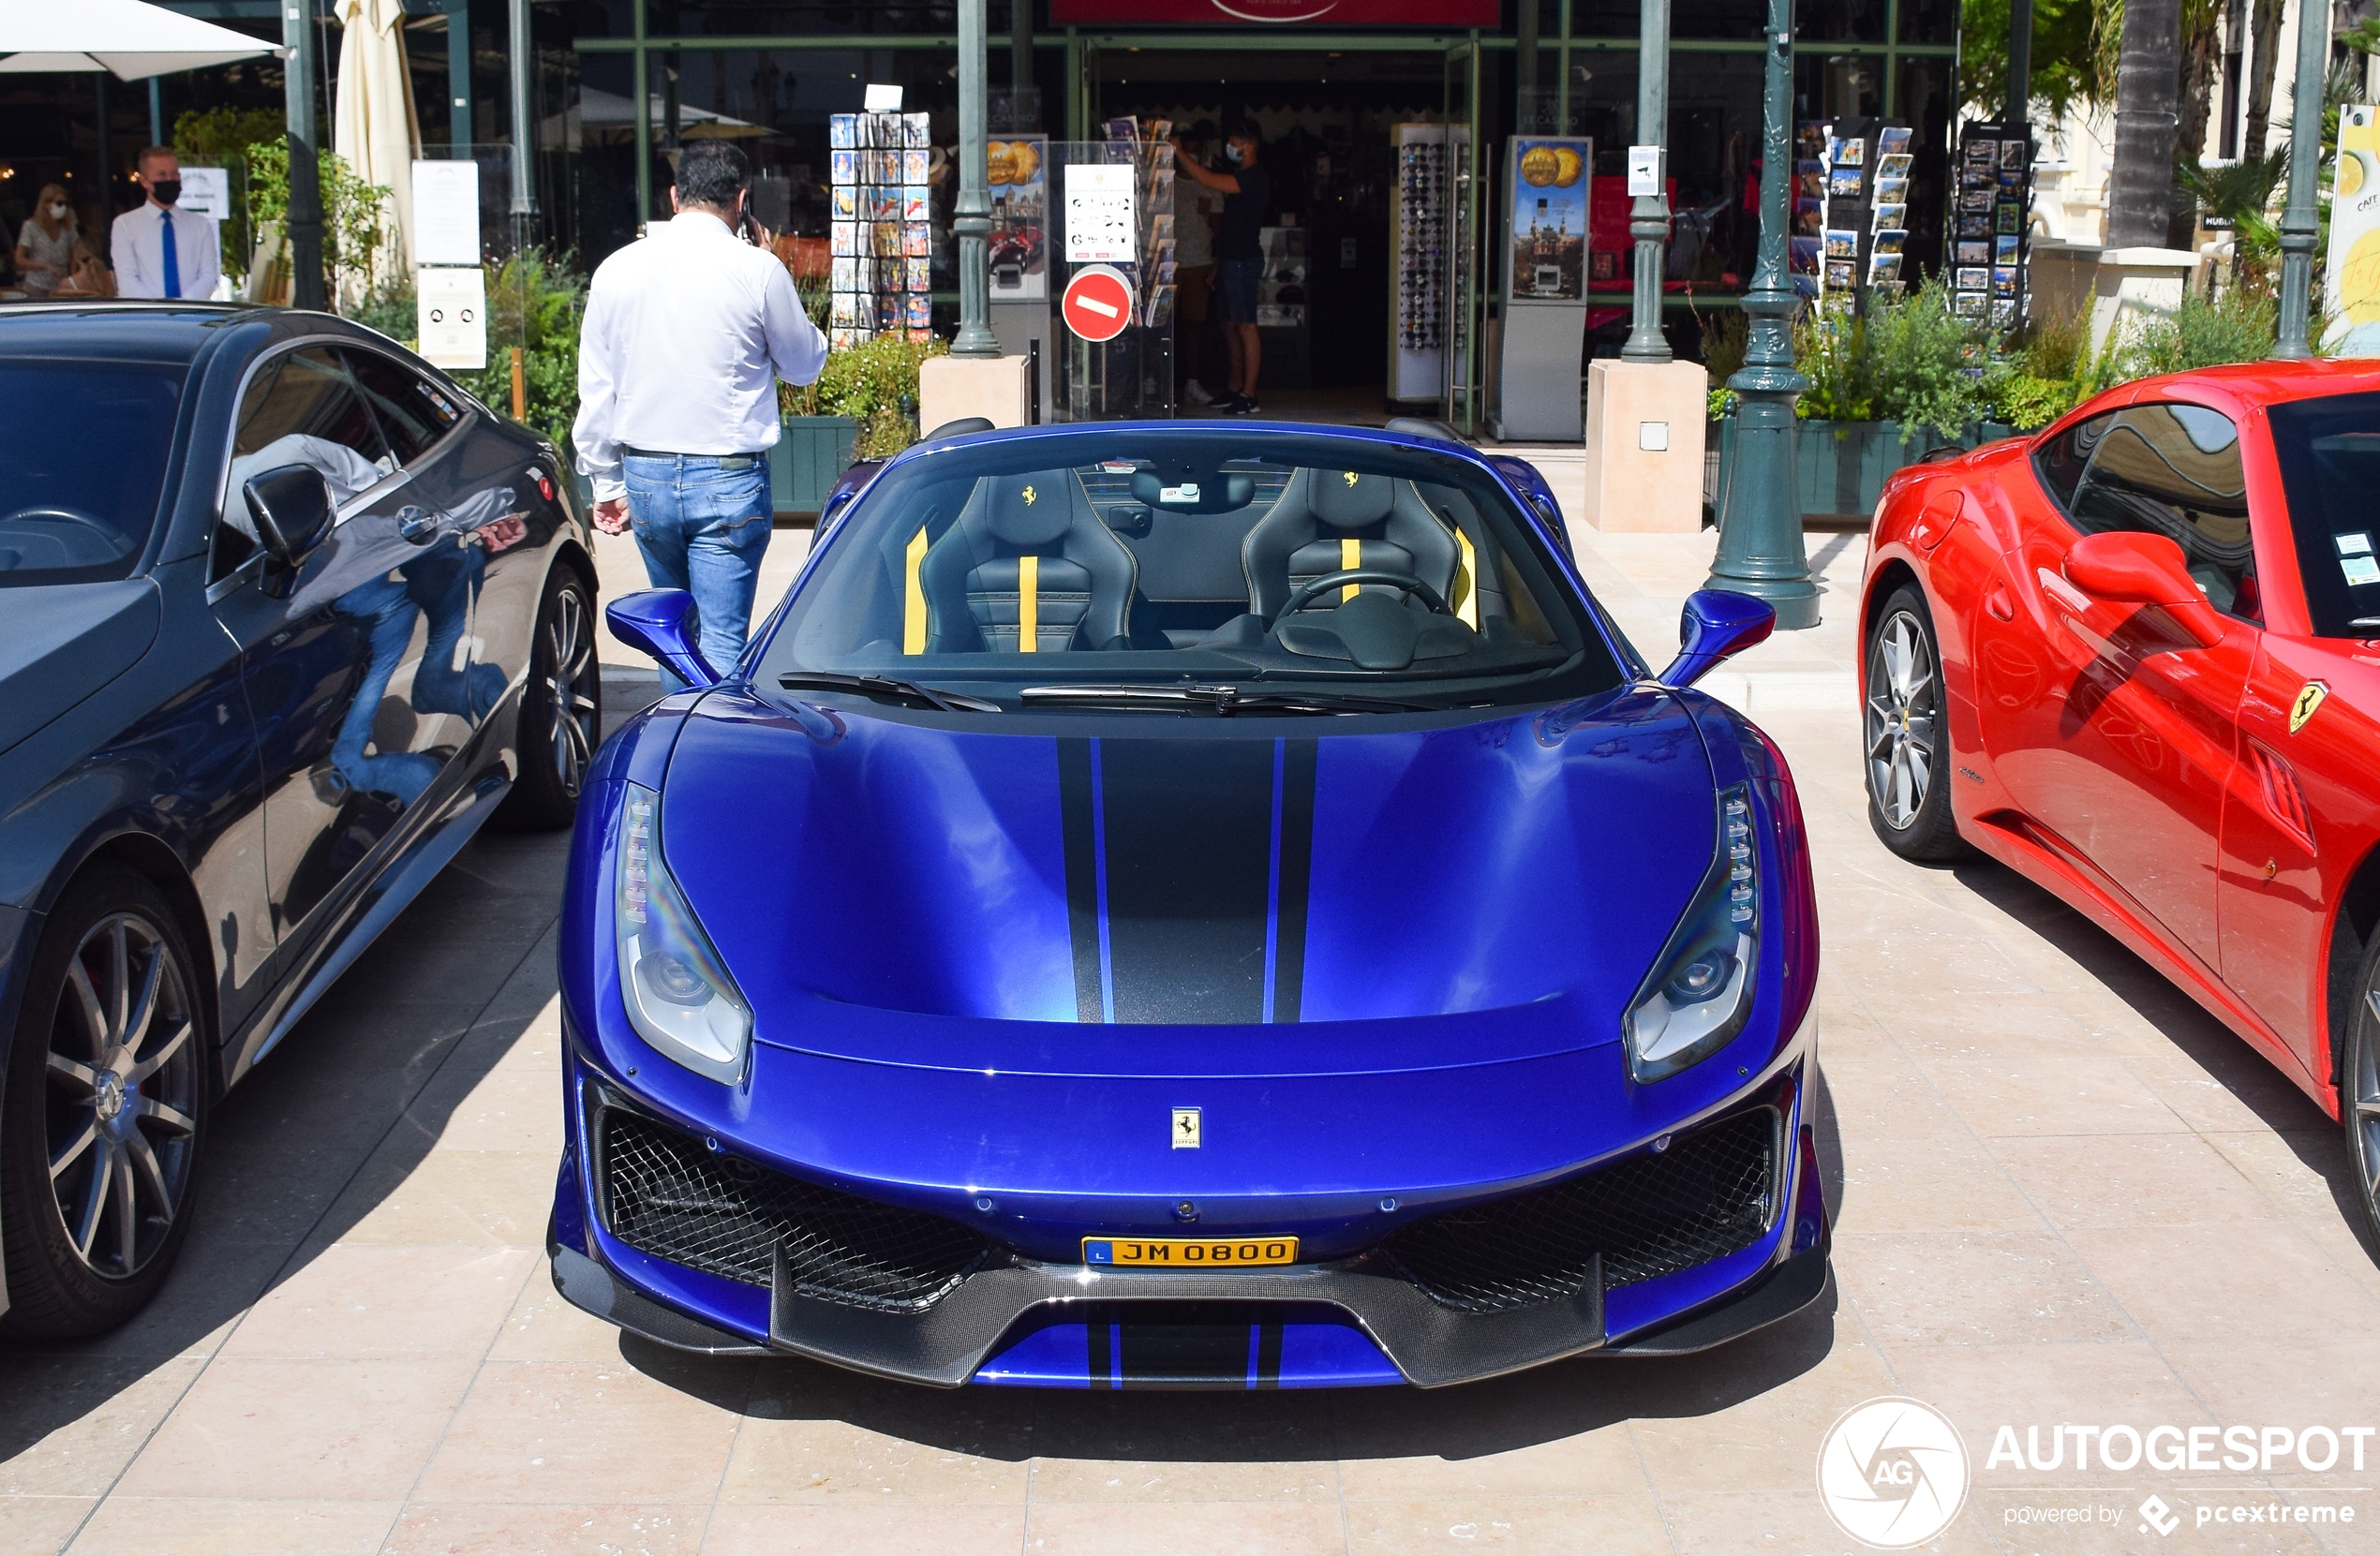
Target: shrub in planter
875, 385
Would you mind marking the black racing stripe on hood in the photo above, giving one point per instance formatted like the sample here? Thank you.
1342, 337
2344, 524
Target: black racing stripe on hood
1188, 877
1077, 816
1297, 761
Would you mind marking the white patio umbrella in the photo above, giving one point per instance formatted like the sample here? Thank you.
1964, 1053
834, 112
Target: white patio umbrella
373, 128
130, 38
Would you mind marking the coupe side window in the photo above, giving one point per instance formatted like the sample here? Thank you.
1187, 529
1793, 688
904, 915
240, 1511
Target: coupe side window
303, 408
2173, 470
2060, 462
413, 413
2328, 451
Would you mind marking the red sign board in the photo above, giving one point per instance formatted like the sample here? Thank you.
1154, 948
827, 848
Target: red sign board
1332, 13
1099, 303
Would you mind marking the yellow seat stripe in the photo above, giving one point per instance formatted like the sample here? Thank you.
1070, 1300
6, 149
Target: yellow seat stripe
1467, 599
1028, 605
1350, 556
912, 609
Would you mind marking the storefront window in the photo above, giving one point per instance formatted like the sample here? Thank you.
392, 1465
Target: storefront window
1841, 20
769, 18
1929, 20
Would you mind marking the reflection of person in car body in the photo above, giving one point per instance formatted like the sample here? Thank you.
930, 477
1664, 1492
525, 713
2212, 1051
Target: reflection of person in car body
388, 568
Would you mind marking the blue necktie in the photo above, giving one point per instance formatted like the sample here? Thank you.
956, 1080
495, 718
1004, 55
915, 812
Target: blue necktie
173, 258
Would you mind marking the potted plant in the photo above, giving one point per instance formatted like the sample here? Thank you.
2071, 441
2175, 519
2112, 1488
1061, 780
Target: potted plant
862, 407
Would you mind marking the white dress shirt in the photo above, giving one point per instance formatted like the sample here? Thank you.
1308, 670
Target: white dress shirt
687, 331
139, 252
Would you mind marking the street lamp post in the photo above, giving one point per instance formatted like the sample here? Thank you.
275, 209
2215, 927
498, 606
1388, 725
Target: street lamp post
306, 175
2297, 219
523, 129
1648, 220
971, 219
1760, 529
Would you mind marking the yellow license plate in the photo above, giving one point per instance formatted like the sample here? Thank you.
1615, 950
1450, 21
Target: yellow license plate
1189, 1253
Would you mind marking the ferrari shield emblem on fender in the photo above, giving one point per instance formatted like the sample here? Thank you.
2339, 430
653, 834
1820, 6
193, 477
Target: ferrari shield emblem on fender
2310, 697
1185, 1129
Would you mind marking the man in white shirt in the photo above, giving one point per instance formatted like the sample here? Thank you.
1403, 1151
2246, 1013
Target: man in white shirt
160, 251
687, 331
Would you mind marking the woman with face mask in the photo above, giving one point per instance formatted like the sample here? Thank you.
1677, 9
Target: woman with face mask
45, 249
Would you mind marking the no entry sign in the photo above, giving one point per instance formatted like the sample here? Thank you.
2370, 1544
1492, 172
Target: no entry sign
1099, 303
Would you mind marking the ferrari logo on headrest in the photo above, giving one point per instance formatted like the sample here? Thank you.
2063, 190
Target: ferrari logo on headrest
1028, 494
1350, 476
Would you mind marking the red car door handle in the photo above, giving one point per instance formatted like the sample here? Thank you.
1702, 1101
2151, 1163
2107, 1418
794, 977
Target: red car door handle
2000, 605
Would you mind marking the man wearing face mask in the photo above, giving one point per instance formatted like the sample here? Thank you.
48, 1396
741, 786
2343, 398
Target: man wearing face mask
161, 251
1239, 252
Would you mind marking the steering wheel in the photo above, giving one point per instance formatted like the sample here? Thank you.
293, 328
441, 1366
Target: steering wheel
96, 529
1305, 594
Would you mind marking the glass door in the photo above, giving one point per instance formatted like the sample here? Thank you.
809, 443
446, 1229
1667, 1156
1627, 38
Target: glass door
1462, 358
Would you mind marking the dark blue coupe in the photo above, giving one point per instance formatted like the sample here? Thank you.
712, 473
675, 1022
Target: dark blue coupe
1190, 906
285, 615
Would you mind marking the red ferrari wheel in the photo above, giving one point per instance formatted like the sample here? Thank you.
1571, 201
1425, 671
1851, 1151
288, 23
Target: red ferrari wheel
2359, 1091
1908, 749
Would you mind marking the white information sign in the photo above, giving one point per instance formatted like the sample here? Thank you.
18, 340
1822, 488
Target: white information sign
1644, 170
882, 99
205, 192
446, 213
1101, 229
452, 316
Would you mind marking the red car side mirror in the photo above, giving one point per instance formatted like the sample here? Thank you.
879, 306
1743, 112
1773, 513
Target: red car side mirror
2144, 570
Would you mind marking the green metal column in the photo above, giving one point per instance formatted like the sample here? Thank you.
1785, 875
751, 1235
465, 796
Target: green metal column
972, 220
523, 129
305, 174
1648, 220
459, 129
1760, 526
642, 87
2298, 220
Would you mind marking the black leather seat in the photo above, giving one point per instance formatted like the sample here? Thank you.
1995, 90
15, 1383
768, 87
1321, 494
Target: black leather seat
1030, 567
1328, 521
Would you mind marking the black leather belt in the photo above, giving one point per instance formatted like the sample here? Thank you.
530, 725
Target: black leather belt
724, 461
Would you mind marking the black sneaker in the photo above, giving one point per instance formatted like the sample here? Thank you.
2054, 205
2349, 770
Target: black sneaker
1248, 405
1227, 405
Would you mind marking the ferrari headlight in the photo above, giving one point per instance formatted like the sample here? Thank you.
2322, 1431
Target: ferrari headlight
678, 994
1700, 991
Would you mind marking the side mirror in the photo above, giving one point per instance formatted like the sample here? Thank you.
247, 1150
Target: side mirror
662, 623
2131, 568
294, 511
1716, 624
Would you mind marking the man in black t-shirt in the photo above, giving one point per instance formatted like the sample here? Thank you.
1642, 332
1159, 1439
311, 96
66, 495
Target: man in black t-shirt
1247, 190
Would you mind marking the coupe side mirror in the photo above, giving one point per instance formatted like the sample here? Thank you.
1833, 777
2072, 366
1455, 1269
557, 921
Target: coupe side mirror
662, 623
2135, 569
294, 511
1716, 624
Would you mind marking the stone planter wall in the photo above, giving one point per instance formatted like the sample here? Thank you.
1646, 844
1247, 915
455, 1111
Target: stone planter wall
1841, 467
810, 452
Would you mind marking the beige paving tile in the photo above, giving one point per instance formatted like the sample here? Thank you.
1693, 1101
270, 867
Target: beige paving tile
1944, 1182
545, 1326
542, 1529
2327, 1381
582, 1433
1184, 1449
1791, 1523
1622, 1524
814, 1434
1213, 1529
2224, 1098
1972, 1288
69, 1425
513, 1108
2132, 1180
484, 1198
40, 1524
207, 1526
2259, 1283
366, 1300
1982, 1388
2306, 1173
1554, 1433
835, 1529
346, 1431
1713, 1423
2032, 1086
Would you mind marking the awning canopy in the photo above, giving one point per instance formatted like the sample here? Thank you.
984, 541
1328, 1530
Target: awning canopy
130, 38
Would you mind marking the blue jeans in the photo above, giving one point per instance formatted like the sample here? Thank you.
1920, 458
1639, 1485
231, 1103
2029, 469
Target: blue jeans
703, 528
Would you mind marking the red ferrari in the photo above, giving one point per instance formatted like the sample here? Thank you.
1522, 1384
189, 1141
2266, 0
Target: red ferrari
2136, 658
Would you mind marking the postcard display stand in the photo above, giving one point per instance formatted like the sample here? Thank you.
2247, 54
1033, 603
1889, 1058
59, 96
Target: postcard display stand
1111, 204
881, 242
1851, 207
1417, 325
1018, 175
1545, 211
1988, 224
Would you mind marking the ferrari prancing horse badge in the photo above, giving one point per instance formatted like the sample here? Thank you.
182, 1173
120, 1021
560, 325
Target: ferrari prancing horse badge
2310, 697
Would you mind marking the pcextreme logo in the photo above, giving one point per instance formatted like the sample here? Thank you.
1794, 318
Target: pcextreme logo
1892, 1472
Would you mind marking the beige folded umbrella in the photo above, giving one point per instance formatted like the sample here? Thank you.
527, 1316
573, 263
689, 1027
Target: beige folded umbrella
373, 128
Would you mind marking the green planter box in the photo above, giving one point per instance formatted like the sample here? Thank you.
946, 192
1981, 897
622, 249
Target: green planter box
1841, 467
810, 452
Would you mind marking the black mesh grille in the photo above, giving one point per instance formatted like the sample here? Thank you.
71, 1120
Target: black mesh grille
672, 1197
1706, 1195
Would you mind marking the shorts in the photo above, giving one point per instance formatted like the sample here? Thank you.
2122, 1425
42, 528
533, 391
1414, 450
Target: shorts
1195, 285
1237, 281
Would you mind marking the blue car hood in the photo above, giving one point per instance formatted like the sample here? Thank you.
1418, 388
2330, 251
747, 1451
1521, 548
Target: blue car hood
1187, 897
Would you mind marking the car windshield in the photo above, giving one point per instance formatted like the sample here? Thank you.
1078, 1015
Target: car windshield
1195, 570
2330, 455
82, 466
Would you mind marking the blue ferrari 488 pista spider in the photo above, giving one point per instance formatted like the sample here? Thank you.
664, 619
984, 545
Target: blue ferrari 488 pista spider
1190, 906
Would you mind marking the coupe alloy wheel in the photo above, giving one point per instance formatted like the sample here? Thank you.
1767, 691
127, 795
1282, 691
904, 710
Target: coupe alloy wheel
1901, 704
123, 1095
571, 689
2362, 1101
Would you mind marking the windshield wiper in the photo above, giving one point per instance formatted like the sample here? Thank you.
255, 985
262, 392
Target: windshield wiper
1224, 700
886, 687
